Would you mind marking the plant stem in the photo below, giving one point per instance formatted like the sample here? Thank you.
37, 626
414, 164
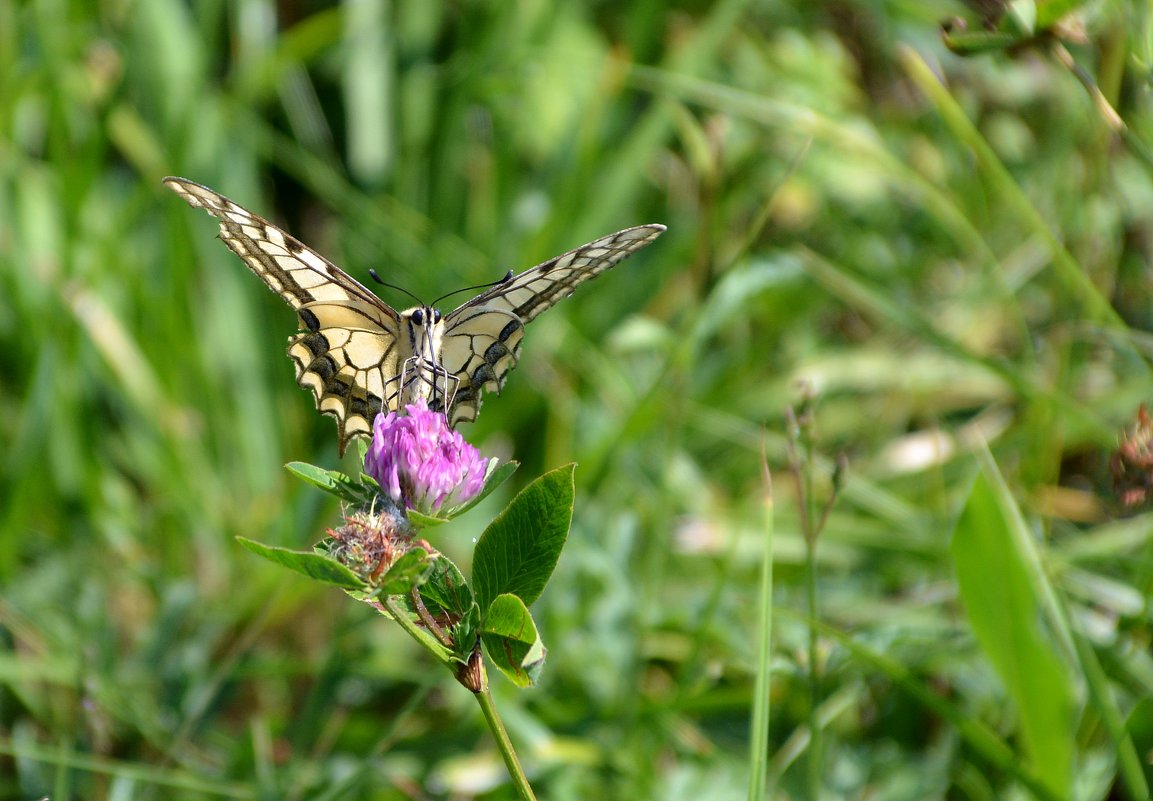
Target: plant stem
478, 687
759, 737
814, 762
515, 771
400, 615
426, 619
800, 444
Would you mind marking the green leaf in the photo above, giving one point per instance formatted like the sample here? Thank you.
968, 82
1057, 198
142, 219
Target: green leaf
331, 481
1140, 726
494, 479
977, 735
511, 640
1051, 12
410, 570
465, 633
1021, 16
977, 42
445, 589
1023, 23
519, 549
421, 520
1006, 597
311, 564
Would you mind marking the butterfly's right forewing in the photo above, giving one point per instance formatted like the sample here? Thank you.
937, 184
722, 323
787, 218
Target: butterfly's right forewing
348, 351
482, 336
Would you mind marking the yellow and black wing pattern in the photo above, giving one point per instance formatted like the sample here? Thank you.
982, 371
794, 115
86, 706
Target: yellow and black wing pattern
359, 356
347, 351
481, 338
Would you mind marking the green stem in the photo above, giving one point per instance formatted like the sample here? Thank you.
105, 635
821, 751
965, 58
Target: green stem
808, 501
801, 454
759, 739
515, 771
401, 616
814, 763
477, 684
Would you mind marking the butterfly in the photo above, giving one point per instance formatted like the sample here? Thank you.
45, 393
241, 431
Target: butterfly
359, 356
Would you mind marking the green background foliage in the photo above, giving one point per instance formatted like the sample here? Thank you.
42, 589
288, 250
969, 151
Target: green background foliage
953, 253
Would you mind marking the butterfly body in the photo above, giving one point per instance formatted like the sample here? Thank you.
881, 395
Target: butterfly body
359, 356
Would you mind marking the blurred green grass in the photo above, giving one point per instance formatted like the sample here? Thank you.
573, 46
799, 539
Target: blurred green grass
832, 220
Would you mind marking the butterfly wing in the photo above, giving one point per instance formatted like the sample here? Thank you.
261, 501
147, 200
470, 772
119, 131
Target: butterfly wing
348, 351
481, 339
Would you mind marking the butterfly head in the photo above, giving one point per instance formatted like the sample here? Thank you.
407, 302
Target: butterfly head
423, 326
423, 316
422, 375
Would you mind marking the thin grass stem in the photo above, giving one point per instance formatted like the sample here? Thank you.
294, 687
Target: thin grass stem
759, 739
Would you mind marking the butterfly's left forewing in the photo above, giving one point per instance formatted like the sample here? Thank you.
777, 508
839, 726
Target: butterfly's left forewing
481, 340
348, 356
348, 351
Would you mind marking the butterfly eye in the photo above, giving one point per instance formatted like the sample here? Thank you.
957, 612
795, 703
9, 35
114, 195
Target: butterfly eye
418, 316
435, 316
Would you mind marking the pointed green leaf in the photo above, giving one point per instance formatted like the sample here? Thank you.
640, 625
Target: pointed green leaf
331, 481
421, 520
1020, 16
465, 633
446, 590
1051, 12
519, 549
970, 43
511, 640
497, 476
410, 570
311, 564
1003, 588
1140, 727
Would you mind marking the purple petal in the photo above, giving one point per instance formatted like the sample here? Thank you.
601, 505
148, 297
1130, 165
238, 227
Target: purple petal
421, 462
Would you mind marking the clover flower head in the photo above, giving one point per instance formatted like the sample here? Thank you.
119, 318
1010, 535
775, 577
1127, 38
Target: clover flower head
421, 463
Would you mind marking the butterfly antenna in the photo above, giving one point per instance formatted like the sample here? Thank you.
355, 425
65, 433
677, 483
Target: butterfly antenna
498, 282
378, 280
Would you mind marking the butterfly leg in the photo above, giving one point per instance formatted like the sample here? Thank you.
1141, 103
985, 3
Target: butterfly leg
423, 378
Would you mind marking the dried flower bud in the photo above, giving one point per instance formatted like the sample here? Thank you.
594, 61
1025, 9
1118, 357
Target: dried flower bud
1132, 462
370, 542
